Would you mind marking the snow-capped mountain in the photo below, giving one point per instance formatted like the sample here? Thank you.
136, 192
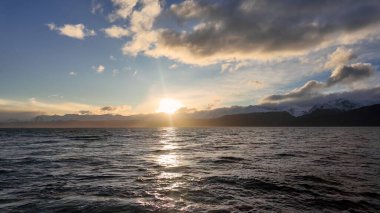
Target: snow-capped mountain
295, 110
338, 104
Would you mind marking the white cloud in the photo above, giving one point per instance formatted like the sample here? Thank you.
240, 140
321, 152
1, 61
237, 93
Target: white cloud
116, 32
72, 73
77, 31
141, 28
124, 9
339, 57
173, 66
141, 15
99, 69
51, 26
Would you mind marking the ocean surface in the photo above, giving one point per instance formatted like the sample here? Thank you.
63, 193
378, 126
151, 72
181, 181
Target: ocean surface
190, 170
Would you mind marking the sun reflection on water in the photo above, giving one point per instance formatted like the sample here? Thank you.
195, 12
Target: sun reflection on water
169, 160
168, 181
168, 141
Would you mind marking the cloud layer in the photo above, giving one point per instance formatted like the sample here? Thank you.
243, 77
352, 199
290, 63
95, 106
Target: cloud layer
345, 74
360, 96
209, 32
24, 110
214, 31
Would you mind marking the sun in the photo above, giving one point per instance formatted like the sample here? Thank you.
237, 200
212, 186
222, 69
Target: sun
169, 106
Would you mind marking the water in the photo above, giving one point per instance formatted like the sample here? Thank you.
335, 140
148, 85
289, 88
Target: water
190, 170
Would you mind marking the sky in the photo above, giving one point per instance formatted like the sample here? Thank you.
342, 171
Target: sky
126, 56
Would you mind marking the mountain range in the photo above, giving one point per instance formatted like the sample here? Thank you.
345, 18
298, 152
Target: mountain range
338, 104
339, 112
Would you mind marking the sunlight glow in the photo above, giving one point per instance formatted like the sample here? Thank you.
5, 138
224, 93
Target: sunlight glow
169, 106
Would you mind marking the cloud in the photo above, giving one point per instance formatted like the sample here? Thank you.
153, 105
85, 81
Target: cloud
96, 7
190, 10
185, 110
124, 9
215, 103
141, 24
350, 73
234, 66
123, 109
112, 58
340, 57
98, 69
173, 66
84, 112
216, 31
108, 108
72, 73
77, 31
360, 96
256, 84
307, 90
41, 107
12, 109
116, 32
345, 74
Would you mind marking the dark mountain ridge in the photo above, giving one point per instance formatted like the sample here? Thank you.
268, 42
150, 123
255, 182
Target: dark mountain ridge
364, 116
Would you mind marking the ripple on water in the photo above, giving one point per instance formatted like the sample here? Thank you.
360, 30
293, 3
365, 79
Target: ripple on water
190, 170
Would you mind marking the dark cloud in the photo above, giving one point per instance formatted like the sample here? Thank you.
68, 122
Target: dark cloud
350, 73
108, 108
246, 29
346, 74
85, 112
